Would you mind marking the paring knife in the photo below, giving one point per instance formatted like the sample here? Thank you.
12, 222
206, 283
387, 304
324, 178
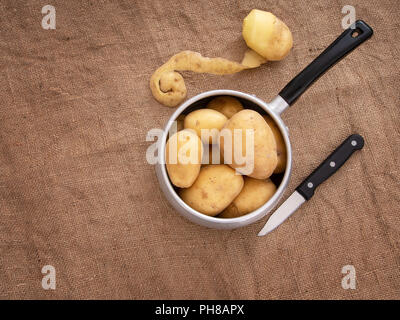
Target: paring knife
306, 189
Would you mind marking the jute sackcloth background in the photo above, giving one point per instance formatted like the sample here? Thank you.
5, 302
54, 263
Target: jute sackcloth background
77, 193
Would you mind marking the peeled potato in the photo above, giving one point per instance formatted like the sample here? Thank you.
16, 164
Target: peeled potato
262, 156
227, 105
214, 189
212, 155
209, 120
254, 194
267, 35
280, 145
183, 155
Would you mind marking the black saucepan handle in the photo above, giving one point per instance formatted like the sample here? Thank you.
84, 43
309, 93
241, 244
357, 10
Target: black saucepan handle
347, 42
330, 165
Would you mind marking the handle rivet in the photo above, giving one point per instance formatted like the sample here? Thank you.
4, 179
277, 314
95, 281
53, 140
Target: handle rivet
354, 143
310, 185
332, 164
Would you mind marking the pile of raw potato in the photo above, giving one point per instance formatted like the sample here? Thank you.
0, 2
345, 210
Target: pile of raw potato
217, 189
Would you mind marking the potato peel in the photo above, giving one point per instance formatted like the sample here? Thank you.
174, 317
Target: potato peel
168, 86
252, 59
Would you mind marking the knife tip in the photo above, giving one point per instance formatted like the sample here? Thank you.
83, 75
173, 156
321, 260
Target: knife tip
267, 229
263, 233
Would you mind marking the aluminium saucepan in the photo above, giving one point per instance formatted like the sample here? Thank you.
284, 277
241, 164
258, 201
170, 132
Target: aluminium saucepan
345, 43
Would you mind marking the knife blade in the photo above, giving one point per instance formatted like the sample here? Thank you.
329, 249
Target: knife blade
306, 189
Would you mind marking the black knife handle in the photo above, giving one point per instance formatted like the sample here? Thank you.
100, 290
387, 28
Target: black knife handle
330, 165
350, 39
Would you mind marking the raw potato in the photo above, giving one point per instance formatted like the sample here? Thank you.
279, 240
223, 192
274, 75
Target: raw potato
227, 105
212, 149
267, 35
280, 145
187, 144
205, 119
254, 194
214, 189
265, 156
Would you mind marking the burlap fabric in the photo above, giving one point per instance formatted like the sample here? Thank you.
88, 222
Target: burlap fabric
77, 193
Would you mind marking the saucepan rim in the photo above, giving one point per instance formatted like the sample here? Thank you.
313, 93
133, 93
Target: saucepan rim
264, 209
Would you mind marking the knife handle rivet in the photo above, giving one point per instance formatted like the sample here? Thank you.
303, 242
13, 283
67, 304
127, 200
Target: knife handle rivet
310, 185
332, 164
354, 143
